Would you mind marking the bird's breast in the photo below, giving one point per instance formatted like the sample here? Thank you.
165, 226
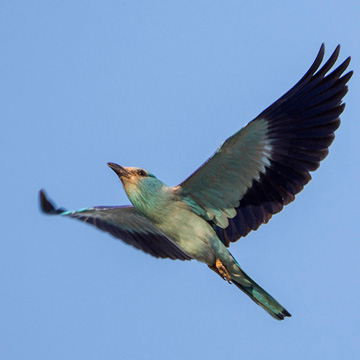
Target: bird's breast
189, 232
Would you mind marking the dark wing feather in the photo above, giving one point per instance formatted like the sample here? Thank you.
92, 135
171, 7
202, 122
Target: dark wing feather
263, 166
124, 223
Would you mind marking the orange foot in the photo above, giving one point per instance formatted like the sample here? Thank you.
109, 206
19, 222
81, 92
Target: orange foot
220, 269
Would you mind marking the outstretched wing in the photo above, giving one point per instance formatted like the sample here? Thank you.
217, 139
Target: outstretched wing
258, 170
125, 223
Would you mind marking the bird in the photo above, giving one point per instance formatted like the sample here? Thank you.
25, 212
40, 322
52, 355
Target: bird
250, 177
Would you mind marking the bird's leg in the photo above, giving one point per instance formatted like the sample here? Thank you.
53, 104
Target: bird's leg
220, 269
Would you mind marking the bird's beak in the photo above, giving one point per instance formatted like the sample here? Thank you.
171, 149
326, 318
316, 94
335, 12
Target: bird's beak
119, 170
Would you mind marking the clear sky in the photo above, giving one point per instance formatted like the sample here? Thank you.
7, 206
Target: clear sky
160, 85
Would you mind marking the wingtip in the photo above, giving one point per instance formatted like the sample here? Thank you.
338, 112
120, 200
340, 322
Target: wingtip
350, 73
46, 206
321, 52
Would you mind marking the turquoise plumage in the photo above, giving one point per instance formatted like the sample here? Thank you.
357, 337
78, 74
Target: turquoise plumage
251, 176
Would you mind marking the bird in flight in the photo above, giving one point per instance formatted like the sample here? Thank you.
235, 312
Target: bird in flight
250, 177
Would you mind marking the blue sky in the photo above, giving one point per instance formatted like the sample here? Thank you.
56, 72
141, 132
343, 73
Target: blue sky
159, 85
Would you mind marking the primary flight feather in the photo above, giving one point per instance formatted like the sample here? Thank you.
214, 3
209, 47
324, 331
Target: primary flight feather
251, 176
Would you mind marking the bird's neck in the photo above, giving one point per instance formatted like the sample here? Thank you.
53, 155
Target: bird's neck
151, 198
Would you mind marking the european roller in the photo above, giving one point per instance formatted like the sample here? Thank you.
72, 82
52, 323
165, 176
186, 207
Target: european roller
250, 177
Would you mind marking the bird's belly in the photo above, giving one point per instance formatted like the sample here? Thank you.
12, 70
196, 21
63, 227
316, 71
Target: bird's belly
191, 234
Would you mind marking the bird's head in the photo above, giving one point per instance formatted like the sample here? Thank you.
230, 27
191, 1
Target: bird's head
139, 184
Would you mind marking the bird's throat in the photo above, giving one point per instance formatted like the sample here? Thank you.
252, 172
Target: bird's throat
150, 198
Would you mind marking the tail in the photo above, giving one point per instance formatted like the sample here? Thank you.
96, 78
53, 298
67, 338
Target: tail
259, 296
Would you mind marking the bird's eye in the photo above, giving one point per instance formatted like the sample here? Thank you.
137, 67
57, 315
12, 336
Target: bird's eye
141, 173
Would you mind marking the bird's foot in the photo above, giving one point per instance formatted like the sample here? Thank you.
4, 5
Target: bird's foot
220, 269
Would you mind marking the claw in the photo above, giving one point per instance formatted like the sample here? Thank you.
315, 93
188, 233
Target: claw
220, 269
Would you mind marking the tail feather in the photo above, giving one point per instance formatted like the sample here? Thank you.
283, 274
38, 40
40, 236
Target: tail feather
261, 297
